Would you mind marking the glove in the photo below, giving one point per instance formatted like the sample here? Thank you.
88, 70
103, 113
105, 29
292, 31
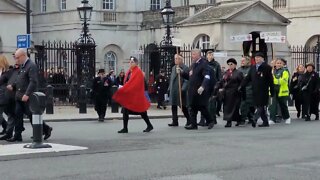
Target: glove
200, 90
179, 70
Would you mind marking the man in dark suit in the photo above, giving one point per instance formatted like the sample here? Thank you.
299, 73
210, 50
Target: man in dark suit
198, 94
25, 84
261, 77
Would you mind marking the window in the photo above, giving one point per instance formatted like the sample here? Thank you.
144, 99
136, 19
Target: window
278, 4
108, 4
203, 42
211, 1
43, 6
185, 2
110, 61
63, 4
155, 4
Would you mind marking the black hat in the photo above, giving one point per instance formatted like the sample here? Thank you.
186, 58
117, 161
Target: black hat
101, 71
260, 54
310, 64
232, 60
283, 60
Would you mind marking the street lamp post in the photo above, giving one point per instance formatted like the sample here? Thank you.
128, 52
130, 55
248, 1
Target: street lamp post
167, 50
85, 46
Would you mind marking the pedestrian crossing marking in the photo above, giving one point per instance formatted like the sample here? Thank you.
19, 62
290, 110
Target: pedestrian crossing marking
18, 149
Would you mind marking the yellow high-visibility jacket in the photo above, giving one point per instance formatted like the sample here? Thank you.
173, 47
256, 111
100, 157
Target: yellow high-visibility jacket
283, 82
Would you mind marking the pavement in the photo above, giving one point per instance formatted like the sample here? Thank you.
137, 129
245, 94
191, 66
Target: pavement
71, 113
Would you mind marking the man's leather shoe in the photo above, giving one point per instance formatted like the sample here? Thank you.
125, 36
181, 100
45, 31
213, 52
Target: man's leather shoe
148, 129
15, 138
201, 123
190, 127
48, 134
240, 123
254, 123
210, 125
173, 124
317, 118
5, 137
229, 124
264, 125
123, 131
307, 118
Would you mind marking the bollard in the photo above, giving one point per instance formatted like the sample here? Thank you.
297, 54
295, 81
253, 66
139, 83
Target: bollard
49, 103
37, 103
82, 100
114, 105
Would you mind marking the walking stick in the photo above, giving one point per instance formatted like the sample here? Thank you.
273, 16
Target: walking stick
179, 79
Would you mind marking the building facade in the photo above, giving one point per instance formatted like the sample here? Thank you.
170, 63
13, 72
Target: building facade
121, 27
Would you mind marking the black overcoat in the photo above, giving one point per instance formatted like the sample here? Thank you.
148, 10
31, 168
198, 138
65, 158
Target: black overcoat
262, 83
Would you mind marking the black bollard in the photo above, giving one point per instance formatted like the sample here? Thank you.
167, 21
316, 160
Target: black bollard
37, 103
49, 103
82, 100
114, 105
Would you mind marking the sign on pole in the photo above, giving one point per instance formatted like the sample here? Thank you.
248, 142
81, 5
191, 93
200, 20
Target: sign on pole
137, 52
176, 42
23, 41
220, 54
241, 38
263, 35
275, 39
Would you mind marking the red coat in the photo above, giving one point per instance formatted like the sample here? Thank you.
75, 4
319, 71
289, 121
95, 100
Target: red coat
131, 95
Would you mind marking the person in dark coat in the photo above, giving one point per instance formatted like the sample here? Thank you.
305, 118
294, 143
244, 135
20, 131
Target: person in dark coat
100, 89
4, 66
9, 78
161, 85
261, 77
295, 88
174, 93
246, 107
198, 91
120, 78
310, 92
26, 83
229, 86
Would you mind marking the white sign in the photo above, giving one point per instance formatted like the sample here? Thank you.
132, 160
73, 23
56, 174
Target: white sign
263, 35
137, 52
176, 42
275, 39
220, 54
241, 38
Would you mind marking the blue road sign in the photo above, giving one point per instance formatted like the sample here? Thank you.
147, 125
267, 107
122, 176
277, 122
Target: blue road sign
23, 41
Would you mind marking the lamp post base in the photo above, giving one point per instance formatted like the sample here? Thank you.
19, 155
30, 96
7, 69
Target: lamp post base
37, 146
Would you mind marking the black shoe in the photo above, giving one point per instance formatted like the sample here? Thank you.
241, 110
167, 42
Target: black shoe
47, 134
187, 124
229, 124
240, 123
5, 137
148, 129
298, 114
201, 123
317, 118
264, 125
123, 131
173, 124
253, 123
210, 125
164, 107
15, 138
191, 127
101, 120
307, 118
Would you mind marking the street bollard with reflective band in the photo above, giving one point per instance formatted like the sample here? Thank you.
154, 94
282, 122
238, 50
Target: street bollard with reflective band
37, 104
82, 100
49, 103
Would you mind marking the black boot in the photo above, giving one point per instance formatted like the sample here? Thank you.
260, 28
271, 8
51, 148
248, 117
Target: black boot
16, 137
5, 137
4, 126
317, 117
229, 124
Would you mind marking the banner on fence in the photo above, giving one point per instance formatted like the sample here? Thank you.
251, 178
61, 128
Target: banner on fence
241, 38
263, 35
275, 39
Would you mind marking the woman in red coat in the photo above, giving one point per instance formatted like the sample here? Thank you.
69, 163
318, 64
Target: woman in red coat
131, 96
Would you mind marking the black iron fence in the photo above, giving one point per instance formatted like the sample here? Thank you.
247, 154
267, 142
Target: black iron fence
304, 55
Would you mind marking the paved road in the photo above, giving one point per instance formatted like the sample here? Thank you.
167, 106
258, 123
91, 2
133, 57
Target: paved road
279, 152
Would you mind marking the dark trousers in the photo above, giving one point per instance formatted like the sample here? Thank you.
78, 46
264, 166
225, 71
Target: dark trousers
306, 104
10, 111
22, 108
174, 109
100, 106
261, 111
194, 111
143, 115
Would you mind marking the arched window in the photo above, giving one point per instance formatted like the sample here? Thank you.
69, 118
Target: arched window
110, 61
203, 42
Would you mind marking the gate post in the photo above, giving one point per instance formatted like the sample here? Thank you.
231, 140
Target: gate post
82, 100
49, 103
